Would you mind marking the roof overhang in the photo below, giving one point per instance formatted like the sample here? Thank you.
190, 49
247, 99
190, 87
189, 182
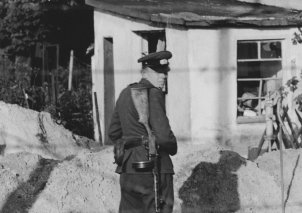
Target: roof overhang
200, 13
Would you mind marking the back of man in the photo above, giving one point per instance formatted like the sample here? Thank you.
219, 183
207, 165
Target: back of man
137, 187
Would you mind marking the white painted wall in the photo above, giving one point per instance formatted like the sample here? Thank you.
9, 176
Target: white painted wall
213, 91
213, 84
127, 48
179, 97
201, 103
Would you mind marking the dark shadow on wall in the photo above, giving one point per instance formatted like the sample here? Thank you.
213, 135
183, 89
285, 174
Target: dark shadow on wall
212, 187
22, 199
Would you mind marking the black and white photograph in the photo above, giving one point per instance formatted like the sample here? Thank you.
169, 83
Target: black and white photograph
150, 106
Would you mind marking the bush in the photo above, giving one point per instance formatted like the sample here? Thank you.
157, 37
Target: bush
72, 109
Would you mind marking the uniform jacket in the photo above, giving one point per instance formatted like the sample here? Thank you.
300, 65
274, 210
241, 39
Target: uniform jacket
125, 123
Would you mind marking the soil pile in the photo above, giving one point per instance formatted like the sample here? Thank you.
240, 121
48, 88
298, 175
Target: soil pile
35, 132
231, 184
205, 181
27, 174
61, 173
292, 174
82, 183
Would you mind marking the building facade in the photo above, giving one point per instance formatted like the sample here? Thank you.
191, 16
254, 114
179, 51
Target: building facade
218, 63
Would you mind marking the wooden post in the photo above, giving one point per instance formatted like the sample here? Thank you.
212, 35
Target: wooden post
280, 135
269, 135
43, 64
53, 88
259, 97
56, 85
293, 136
261, 143
70, 71
25, 99
98, 118
3, 66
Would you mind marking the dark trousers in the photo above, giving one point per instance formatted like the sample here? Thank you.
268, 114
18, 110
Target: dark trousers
137, 193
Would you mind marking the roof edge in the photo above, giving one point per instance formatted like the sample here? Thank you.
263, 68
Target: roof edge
122, 11
201, 22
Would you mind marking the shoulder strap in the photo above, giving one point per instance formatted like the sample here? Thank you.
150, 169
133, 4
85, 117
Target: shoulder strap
141, 102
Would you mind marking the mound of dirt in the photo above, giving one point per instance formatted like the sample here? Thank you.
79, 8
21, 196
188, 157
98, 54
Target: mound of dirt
229, 185
206, 180
82, 183
24, 130
45, 168
25, 194
292, 173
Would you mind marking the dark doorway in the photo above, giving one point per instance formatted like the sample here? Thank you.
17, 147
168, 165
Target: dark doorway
109, 91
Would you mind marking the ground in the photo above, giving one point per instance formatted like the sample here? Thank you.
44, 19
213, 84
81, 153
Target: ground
64, 173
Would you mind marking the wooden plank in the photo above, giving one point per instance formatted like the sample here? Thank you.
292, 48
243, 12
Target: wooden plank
168, 19
43, 65
98, 118
251, 98
245, 119
53, 88
262, 139
109, 86
259, 97
257, 79
293, 135
70, 70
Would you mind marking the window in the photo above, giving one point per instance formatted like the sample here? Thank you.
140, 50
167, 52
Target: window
259, 65
152, 41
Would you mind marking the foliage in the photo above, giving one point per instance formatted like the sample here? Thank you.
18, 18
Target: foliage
23, 23
20, 25
73, 109
13, 86
292, 83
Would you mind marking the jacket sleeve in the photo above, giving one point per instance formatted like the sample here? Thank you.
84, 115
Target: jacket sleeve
115, 128
159, 122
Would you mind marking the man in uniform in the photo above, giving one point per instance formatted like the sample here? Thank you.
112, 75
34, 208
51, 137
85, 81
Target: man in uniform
137, 187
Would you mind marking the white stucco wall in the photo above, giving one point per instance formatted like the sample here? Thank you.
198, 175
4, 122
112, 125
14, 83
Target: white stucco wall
201, 103
213, 80
179, 96
212, 59
127, 48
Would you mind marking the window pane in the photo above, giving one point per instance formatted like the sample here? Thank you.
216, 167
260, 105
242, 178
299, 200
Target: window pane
270, 69
259, 69
247, 50
249, 69
251, 87
248, 103
156, 42
270, 86
271, 49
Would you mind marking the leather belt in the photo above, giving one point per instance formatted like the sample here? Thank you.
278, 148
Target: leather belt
131, 142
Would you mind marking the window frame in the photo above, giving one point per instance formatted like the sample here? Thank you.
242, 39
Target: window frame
260, 118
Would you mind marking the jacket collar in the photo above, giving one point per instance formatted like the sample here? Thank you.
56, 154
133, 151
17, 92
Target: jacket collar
146, 83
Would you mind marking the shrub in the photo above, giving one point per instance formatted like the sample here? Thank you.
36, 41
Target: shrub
72, 109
